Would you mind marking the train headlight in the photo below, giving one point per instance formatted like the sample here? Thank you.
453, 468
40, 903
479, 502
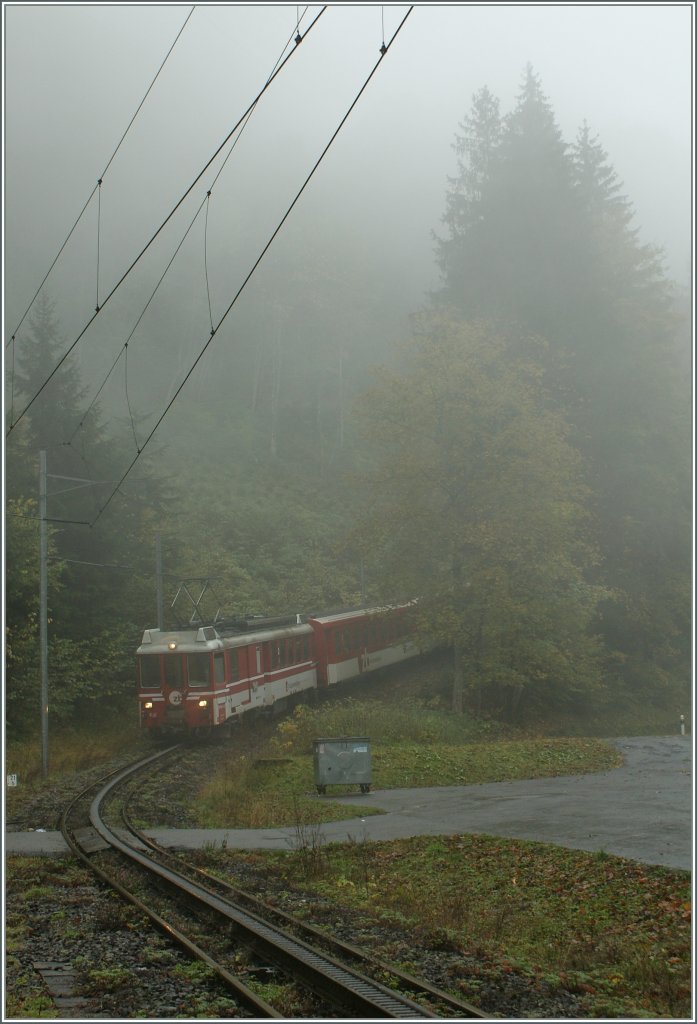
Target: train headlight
172, 645
147, 705
203, 703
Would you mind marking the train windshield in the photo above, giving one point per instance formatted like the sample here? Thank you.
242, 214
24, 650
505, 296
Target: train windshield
199, 668
150, 672
173, 670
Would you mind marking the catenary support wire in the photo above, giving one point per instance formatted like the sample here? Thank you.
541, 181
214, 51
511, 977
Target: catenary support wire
214, 330
298, 39
101, 178
99, 224
157, 232
125, 347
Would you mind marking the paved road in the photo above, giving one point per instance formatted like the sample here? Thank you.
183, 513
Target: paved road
642, 810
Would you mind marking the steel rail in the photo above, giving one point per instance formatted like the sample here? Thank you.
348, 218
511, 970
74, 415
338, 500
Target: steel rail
334, 980
249, 998
342, 948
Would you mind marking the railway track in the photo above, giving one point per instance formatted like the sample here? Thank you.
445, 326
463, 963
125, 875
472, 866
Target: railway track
337, 973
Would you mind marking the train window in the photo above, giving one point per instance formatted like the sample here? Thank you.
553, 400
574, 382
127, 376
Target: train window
199, 668
233, 657
150, 672
219, 668
173, 670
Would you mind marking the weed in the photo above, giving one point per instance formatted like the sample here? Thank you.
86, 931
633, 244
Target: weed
30, 1007
361, 851
15, 934
195, 971
112, 916
106, 979
38, 892
157, 955
309, 842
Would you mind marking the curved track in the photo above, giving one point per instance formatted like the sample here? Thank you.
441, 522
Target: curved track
339, 986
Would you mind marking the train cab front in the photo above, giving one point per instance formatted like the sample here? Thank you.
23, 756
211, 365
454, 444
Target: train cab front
175, 672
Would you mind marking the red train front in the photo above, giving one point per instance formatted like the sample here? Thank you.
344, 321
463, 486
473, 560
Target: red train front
195, 679
192, 680
177, 676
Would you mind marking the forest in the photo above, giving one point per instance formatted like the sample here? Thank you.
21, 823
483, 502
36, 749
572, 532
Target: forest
519, 460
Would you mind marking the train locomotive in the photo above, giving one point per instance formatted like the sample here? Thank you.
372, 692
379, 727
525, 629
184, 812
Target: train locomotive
199, 679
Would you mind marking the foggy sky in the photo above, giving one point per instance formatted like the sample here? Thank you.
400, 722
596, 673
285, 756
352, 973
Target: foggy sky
75, 76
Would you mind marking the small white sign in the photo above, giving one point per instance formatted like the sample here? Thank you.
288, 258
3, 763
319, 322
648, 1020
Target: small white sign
11, 780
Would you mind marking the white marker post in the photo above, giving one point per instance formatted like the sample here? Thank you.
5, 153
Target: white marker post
682, 725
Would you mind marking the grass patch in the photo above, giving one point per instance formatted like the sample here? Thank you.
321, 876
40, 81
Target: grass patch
412, 745
615, 931
70, 750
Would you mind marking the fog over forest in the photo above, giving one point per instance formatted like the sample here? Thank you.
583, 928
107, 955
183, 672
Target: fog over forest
464, 202
75, 76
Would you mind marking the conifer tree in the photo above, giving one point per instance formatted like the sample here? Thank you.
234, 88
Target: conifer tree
510, 214
95, 610
554, 248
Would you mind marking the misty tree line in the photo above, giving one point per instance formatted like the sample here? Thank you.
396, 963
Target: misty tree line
521, 463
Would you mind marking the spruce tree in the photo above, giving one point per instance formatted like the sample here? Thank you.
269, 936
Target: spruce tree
546, 240
508, 257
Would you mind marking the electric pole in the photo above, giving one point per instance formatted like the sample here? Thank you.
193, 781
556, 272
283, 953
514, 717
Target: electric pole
43, 611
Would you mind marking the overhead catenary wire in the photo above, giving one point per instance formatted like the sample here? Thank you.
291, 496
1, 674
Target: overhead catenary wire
159, 230
148, 92
99, 182
298, 39
124, 349
99, 224
383, 51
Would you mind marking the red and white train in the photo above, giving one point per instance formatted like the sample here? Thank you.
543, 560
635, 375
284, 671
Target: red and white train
196, 679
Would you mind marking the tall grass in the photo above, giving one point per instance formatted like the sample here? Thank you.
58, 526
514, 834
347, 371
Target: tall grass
69, 750
410, 721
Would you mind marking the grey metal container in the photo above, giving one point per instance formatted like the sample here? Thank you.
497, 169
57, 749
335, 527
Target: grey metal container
342, 761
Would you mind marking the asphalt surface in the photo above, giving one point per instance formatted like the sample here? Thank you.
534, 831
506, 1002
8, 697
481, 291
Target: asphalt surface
642, 811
